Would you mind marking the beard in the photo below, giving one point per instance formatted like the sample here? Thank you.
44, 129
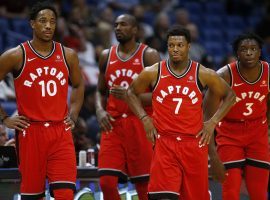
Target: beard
123, 39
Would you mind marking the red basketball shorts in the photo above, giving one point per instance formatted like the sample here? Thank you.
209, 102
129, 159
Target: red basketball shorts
125, 151
243, 142
46, 149
179, 168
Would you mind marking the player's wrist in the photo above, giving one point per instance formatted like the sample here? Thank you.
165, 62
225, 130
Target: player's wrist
73, 119
3, 118
215, 121
143, 117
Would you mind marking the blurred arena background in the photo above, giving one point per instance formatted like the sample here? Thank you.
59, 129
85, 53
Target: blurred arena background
87, 26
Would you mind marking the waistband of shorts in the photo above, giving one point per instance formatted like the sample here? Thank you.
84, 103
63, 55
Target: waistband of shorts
129, 114
179, 136
259, 119
46, 123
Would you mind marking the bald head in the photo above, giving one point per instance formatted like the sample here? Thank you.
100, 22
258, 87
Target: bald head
130, 19
125, 28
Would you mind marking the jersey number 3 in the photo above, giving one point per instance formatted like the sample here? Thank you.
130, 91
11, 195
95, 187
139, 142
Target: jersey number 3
249, 109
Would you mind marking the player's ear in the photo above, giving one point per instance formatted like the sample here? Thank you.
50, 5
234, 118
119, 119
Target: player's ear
32, 23
188, 45
135, 30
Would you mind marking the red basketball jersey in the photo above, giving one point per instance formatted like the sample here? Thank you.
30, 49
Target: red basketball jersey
42, 85
177, 101
251, 98
122, 72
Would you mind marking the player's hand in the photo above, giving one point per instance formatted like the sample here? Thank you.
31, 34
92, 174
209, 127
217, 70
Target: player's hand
104, 120
17, 122
206, 133
118, 92
70, 123
149, 128
10, 142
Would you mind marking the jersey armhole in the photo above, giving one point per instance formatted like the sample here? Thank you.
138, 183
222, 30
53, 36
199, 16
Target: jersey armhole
143, 56
15, 73
200, 86
104, 67
64, 54
157, 80
230, 74
68, 67
268, 65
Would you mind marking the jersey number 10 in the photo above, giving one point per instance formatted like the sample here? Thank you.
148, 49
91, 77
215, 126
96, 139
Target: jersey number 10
48, 88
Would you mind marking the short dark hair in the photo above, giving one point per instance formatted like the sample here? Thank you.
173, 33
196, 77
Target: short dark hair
41, 6
177, 30
244, 36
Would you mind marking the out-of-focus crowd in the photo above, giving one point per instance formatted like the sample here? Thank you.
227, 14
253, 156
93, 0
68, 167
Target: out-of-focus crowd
87, 26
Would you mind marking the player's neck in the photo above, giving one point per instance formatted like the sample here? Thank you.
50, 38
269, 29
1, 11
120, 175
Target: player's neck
128, 46
42, 47
250, 73
180, 66
127, 49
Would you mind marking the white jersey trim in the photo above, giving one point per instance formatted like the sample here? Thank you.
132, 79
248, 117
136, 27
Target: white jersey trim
159, 74
130, 57
161, 192
111, 169
260, 161
64, 58
197, 78
234, 161
24, 62
62, 182
39, 55
246, 81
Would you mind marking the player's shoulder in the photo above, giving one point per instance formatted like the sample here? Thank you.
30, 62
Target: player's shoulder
150, 50
14, 54
152, 68
105, 52
205, 70
69, 52
223, 70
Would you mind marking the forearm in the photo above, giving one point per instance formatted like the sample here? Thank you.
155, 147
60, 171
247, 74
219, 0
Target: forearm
76, 101
146, 99
99, 100
135, 104
212, 149
225, 106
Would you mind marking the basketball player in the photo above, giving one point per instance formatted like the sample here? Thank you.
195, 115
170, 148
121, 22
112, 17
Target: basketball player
180, 161
42, 69
242, 136
124, 151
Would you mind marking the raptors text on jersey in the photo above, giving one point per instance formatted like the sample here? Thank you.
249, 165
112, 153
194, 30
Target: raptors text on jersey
251, 97
177, 101
42, 84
